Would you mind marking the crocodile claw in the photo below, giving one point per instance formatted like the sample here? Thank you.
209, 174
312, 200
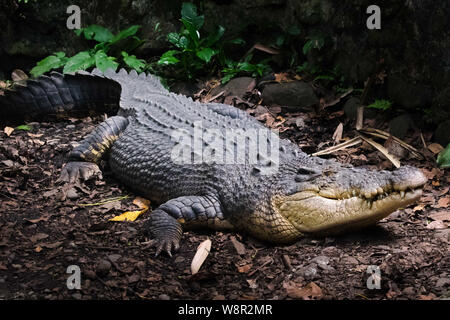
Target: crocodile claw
76, 170
166, 245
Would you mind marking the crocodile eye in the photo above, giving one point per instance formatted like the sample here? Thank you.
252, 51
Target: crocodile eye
305, 174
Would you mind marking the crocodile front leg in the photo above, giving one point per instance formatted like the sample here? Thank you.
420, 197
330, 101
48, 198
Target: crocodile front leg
167, 221
84, 158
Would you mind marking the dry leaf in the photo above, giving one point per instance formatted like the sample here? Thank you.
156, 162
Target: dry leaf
18, 75
443, 202
310, 291
435, 148
337, 135
39, 236
245, 268
240, 249
438, 224
442, 216
142, 203
8, 131
38, 249
200, 256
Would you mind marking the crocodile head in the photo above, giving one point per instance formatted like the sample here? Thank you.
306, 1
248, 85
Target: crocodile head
329, 198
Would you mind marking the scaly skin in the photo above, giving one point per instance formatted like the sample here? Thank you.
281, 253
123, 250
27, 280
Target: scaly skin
280, 197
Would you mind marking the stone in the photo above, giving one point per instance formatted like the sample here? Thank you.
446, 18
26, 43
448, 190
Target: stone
350, 107
235, 87
442, 133
103, 267
297, 95
400, 125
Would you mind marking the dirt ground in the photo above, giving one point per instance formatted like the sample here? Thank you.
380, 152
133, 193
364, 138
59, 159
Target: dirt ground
45, 228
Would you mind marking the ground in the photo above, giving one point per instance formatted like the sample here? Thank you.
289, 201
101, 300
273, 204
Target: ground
46, 227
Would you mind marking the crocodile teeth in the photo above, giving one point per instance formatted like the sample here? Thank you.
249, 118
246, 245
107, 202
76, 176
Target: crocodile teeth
402, 194
354, 193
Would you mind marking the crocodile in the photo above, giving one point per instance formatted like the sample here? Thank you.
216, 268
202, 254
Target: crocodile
208, 164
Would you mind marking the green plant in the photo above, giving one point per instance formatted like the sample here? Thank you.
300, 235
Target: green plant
109, 52
380, 105
443, 159
192, 52
234, 68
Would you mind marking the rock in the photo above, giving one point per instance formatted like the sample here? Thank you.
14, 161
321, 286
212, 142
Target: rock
235, 87
295, 95
400, 125
72, 194
77, 296
308, 272
443, 282
322, 262
103, 267
185, 88
163, 297
442, 133
349, 260
114, 257
89, 274
407, 94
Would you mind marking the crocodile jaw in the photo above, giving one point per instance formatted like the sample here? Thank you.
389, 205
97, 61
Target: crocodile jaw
311, 213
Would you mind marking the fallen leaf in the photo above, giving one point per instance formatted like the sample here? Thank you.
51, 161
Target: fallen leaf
443, 202
435, 148
200, 256
442, 216
38, 249
240, 248
245, 268
310, 291
8, 131
438, 224
142, 203
38, 236
337, 135
18, 75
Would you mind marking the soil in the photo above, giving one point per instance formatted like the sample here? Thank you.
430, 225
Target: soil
45, 227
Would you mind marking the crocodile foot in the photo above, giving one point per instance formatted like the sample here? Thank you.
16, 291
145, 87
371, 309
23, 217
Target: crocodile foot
75, 170
165, 230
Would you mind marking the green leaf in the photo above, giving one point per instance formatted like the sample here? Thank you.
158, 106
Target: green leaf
206, 54
443, 159
81, 61
23, 127
54, 61
125, 34
293, 31
178, 40
380, 105
168, 58
324, 77
104, 62
214, 37
189, 13
193, 32
133, 62
307, 47
237, 41
97, 33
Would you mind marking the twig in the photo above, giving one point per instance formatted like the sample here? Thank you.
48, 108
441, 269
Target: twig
382, 149
338, 147
382, 134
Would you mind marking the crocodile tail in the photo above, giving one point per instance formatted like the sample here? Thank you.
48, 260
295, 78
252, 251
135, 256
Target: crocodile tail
56, 94
76, 94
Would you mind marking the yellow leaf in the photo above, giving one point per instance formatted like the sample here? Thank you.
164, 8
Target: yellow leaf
8, 130
142, 203
38, 249
200, 256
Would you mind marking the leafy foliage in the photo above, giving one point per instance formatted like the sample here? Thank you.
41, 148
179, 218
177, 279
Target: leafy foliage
99, 56
443, 159
195, 54
234, 68
380, 105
